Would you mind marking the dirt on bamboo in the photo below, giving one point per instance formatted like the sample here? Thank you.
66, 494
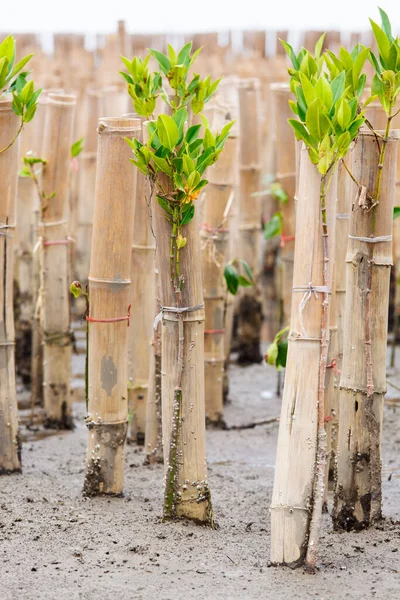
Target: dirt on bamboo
109, 308
358, 490
54, 256
300, 462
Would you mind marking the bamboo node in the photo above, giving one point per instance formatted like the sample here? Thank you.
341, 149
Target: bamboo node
372, 239
5, 234
177, 310
112, 319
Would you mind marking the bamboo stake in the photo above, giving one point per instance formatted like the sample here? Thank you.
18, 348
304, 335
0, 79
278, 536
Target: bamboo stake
54, 260
187, 493
300, 454
358, 492
26, 199
87, 178
10, 448
143, 293
109, 297
285, 151
214, 236
346, 191
250, 309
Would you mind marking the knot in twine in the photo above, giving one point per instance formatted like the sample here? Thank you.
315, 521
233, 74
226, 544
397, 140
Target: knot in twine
177, 310
333, 366
308, 290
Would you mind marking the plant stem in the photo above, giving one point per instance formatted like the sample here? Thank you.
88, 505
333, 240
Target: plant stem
320, 464
14, 138
382, 154
350, 173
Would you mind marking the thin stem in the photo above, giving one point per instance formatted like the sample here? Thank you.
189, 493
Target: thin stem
382, 153
14, 138
350, 173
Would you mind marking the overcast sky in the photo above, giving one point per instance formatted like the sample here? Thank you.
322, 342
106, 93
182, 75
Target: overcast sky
183, 15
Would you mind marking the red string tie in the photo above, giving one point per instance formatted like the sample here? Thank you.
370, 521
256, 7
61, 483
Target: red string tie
214, 230
332, 365
113, 319
59, 242
213, 331
327, 419
286, 238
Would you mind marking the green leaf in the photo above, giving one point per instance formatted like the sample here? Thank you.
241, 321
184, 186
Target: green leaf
77, 148
167, 131
75, 289
192, 133
324, 92
19, 66
7, 48
184, 55
26, 92
172, 55
244, 282
188, 215
316, 121
225, 131
382, 41
30, 113
180, 118
308, 89
162, 165
289, 51
344, 114
281, 359
232, 278
318, 46
301, 132
273, 227
188, 165
162, 60
164, 204
396, 212
386, 24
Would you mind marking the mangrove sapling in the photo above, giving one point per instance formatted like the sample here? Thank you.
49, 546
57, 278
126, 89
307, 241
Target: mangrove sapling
17, 106
13, 81
174, 159
109, 308
358, 492
327, 122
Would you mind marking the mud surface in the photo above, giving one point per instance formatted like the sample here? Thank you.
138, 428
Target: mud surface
54, 544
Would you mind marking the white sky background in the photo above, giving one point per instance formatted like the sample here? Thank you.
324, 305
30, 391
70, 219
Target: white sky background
163, 16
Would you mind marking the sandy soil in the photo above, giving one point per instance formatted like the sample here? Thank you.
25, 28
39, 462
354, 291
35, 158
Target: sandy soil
56, 545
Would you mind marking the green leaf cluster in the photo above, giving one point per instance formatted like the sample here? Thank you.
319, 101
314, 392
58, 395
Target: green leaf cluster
234, 279
274, 226
327, 110
386, 80
145, 87
13, 80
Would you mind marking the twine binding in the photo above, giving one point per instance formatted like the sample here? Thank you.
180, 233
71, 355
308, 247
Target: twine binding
177, 310
308, 290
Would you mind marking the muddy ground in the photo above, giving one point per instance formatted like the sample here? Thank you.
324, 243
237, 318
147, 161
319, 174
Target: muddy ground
54, 544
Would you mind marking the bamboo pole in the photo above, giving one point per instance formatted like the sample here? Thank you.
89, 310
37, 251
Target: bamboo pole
297, 460
187, 493
37, 346
109, 297
250, 309
54, 262
346, 192
285, 152
10, 448
26, 200
214, 235
358, 492
87, 178
143, 294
